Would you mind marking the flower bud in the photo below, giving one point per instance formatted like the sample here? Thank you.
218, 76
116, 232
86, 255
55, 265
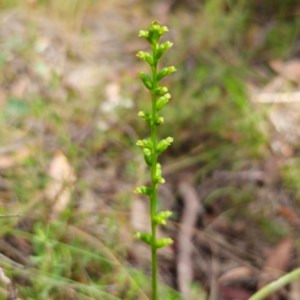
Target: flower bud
164, 144
163, 48
163, 242
159, 180
164, 72
155, 26
146, 57
143, 190
154, 33
161, 217
162, 101
146, 116
145, 79
158, 170
163, 30
144, 144
159, 121
148, 157
142, 114
144, 34
144, 236
161, 90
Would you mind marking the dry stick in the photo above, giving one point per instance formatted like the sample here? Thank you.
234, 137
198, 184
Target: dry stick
214, 291
12, 293
10, 216
276, 285
188, 220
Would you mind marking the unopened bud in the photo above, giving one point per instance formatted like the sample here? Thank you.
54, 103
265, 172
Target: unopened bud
144, 34
161, 90
164, 72
148, 157
158, 170
146, 57
161, 217
159, 120
144, 144
145, 79
162, 101
146, 116
160, 180
164, 144
143, 190
163, 48
164, 242
145, 237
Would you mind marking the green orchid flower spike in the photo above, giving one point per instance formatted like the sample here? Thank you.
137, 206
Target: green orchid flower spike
152, 148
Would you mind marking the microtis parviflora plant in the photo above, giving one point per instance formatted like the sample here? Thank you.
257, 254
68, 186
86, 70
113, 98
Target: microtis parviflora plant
151, 147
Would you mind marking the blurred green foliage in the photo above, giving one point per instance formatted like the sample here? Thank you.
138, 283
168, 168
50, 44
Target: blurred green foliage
216, 46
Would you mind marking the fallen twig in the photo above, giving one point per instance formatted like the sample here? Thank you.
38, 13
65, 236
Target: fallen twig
188, 219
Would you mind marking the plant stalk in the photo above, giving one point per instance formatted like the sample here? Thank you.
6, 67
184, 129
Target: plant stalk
152, 148
154, 183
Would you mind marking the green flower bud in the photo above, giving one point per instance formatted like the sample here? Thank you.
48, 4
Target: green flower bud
146, 79
145, 144
161, 217
146, 116
163, 30
162, 101
148, 157
146, 57
159, 180
159, 121
163, 242
144, 34
144, 236
154, 33
142, 114
155, 26
164, 72
163, 48
161, 90
158, 170
143, 190
164, 144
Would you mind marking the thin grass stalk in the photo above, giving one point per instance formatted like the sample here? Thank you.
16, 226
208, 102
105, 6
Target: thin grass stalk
276, 285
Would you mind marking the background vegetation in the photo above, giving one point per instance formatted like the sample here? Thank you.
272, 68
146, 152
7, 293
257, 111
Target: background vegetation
69, 98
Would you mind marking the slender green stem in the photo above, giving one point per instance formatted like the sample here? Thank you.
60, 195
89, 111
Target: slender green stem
276, 285
154, 183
